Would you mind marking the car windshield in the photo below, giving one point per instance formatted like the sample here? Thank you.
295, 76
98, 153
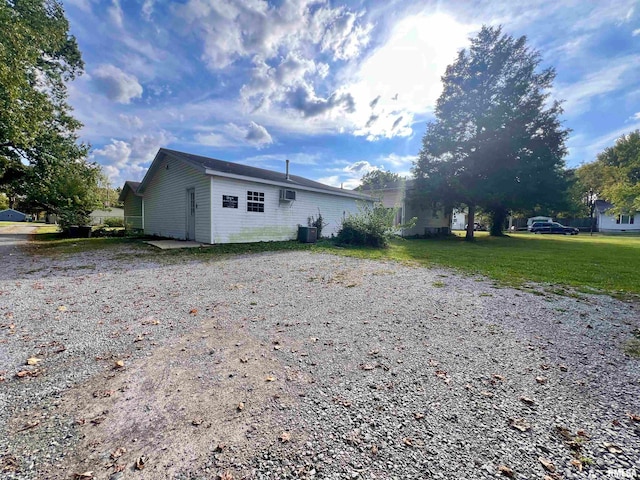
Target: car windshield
556, 224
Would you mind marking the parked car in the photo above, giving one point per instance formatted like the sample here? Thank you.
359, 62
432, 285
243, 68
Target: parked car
553, 227
477, 226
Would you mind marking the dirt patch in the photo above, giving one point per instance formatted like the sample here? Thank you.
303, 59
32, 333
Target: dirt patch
210, 396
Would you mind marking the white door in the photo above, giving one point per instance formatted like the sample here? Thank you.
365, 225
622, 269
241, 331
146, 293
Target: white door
191, 214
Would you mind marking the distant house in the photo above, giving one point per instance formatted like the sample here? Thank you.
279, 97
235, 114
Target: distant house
133, 208
11, 215
191, 197
430, 219
613, 223
99, 216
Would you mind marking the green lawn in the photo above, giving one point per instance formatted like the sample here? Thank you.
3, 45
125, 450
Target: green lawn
608, 264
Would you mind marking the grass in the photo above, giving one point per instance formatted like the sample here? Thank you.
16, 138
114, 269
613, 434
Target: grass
602, 264
566, 265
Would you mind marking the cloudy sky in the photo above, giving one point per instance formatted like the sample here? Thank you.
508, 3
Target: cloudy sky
339, 88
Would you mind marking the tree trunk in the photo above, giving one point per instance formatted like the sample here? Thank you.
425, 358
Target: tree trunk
498, 216
470, 223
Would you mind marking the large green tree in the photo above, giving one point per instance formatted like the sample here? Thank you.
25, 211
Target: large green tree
379, 179
615, 175
497, 141
38, 140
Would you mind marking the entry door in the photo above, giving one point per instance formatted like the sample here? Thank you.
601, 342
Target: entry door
191, 214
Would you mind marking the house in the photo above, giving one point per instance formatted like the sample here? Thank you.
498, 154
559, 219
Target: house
430, 219
11, 215
609, 223
99, 216
133, 212
458, 219
191, 197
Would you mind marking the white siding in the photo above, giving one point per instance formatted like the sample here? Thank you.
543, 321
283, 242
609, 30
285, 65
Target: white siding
165, 201
280, 220
607, 224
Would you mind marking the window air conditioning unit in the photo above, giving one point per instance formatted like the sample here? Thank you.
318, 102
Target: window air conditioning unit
287, 195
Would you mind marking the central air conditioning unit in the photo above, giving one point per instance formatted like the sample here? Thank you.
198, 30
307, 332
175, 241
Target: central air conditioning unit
287, 195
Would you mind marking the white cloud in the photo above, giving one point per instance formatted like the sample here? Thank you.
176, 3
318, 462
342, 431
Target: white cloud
404, 73
128, 160
131, 121
117, 85
636, 32
116, 14
636, 116
147, 9
233, 29
258, 135
609, 78
232, 135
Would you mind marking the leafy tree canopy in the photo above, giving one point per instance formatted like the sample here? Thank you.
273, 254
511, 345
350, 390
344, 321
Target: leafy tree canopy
615, 175
38, 140
379, 179
496, 142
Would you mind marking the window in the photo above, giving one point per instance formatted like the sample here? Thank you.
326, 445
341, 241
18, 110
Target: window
229, 202
625, 219
255, 201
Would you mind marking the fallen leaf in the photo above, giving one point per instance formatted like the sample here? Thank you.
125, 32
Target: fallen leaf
577, 463
285, 437
541, 380
612, 448
62, 308
118, 452
240, 406
244, 360
84, 475
547, 464
582, 433
140, 462
277, 347
367, 366
506, 471
418, 415
225, 476
270, 378
119, 364
374, 449
486, 394
634, 417
527, 400
563, 368
196, 421
28, 373
545, 366
33, 361
408, 441
519, 424
498, 377
193, 311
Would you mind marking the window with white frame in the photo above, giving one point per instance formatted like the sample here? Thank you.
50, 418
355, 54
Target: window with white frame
625, 220
255, 201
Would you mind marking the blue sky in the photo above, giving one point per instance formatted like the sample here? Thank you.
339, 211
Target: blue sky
339, 88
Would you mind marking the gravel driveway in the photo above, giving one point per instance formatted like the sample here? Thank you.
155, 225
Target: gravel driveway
300, 365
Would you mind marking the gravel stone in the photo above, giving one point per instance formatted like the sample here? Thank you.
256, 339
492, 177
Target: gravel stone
449, 365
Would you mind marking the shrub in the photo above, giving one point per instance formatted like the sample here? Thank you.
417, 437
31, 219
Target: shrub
372, 226
114, 222
68, 218
317, 222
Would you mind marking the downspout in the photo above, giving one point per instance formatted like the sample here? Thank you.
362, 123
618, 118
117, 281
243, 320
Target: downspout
143, 214
287, 177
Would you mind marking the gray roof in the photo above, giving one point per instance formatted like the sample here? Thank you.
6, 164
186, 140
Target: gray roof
211, 165
602, 205
129, 184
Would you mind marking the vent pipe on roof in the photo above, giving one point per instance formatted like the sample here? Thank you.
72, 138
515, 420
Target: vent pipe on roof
288, 170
